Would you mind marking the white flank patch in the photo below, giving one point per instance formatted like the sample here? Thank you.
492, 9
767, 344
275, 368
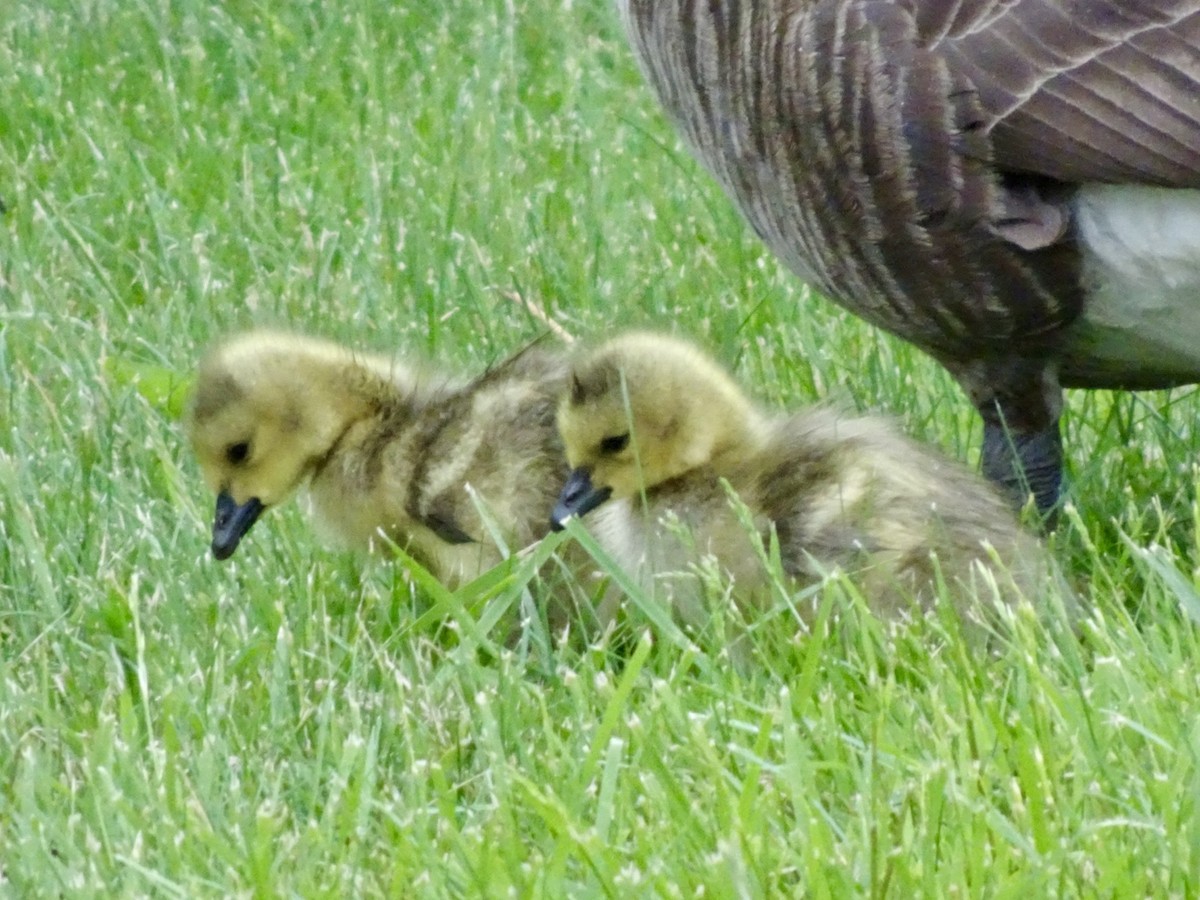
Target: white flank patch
1142, 269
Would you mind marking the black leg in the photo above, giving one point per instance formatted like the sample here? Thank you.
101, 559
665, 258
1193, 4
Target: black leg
1023, 463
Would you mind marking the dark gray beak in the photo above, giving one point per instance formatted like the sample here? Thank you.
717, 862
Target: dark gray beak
231, 523
578, 497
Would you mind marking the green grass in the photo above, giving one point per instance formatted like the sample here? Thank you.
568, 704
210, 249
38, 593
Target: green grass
300, 723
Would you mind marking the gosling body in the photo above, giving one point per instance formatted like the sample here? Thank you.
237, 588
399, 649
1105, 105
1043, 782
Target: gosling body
659, 437
388, 452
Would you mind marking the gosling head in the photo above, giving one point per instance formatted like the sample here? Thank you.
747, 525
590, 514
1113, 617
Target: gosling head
264, 413
641, 410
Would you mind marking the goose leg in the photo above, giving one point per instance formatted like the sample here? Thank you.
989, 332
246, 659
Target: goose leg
1020, 401
1021, 463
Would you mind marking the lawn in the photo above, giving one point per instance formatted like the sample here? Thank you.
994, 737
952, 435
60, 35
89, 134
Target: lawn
440, 180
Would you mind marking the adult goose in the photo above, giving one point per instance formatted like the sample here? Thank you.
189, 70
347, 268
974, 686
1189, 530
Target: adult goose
1010, 185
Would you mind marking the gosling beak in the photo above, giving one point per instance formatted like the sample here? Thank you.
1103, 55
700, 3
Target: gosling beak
231, 523
578, 497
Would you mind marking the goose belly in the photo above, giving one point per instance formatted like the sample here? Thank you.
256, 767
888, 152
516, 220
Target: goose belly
1141, 268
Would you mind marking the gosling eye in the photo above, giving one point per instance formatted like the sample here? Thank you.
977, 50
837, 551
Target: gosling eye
614, 444
237, 453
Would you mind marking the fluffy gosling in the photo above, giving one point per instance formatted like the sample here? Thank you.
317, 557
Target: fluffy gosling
381, 447
652, 427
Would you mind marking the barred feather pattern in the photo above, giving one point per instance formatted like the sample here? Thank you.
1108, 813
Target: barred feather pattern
1081, 90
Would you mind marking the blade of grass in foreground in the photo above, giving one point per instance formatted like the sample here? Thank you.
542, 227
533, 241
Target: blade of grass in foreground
657, 613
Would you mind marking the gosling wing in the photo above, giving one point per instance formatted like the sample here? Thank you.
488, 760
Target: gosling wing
498, 436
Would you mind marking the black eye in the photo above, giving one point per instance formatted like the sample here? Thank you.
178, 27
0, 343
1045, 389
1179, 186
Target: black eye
237, 453
614, 444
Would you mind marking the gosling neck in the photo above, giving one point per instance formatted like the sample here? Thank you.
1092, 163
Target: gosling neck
341, 394
742, 432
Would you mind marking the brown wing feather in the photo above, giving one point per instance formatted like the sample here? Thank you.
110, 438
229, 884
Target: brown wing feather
1080, 90
861, 158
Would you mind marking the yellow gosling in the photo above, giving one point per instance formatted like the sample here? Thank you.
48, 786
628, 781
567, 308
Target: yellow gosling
654, 429
384, 449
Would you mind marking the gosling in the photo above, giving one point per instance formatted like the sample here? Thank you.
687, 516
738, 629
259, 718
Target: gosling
657, 434
382, 448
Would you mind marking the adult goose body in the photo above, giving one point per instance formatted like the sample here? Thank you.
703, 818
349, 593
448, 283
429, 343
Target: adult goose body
1011, 185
